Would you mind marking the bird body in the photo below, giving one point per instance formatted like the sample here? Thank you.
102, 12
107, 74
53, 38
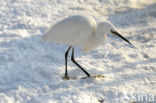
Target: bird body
80, 30
76, 30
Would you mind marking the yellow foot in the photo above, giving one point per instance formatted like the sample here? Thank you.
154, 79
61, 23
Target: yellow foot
94, 76
66, 78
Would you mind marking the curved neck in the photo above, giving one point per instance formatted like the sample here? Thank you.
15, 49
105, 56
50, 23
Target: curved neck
93, 41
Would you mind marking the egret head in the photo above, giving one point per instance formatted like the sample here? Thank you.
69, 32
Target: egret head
108, 28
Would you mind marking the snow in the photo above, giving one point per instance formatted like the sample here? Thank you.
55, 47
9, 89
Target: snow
31, 71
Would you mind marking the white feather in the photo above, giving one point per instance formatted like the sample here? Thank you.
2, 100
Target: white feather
79, 30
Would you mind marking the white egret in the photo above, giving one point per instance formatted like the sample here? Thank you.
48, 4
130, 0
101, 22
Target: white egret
80, 30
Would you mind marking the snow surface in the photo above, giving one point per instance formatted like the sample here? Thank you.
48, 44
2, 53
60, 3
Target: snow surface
31, 71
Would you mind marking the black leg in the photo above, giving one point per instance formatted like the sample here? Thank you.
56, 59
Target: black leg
72, 58
66, 58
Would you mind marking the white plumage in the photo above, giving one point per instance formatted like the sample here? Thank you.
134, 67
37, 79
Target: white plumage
75, 30
80, 30
72, 30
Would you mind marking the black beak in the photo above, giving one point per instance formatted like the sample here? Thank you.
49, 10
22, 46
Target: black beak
119, 35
